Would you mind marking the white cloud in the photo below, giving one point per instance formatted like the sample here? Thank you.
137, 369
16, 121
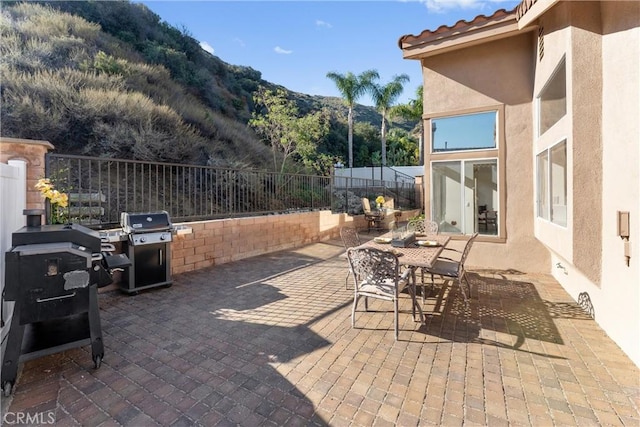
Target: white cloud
321, 23
206, 46
282, 51
441, 6
239, 41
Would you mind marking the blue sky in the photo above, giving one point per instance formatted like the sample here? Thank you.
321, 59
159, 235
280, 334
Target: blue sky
296, 43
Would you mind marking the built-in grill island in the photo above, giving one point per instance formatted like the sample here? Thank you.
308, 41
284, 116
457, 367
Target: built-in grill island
148, 246
52, 273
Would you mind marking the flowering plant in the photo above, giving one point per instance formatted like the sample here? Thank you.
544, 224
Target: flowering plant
380, 200
57, 200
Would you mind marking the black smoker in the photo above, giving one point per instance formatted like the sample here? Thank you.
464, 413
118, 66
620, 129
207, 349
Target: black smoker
53, 273
148, 246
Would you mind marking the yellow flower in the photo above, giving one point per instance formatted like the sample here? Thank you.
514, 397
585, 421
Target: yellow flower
44, 185
380, 200
55, 197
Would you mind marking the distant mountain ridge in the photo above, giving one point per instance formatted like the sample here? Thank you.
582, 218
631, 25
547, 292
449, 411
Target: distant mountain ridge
133, 86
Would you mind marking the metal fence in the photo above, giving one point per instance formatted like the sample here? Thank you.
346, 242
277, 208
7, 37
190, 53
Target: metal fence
100, 189
348, 192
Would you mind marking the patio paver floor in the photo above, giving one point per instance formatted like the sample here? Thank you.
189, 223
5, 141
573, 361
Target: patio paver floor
268, 341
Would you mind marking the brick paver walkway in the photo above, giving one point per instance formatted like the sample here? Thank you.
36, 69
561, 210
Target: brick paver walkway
268, 341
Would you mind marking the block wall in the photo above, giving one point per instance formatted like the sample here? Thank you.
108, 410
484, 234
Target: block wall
220, 241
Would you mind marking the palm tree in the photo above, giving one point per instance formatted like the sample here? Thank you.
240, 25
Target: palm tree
412, 111
351, 87
383, 97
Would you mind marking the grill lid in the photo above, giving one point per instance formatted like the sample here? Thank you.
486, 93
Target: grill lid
74, 233
145, 222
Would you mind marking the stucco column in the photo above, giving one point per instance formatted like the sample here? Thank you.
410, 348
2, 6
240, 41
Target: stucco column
33, 153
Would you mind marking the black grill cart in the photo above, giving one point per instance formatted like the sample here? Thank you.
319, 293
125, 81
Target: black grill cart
52, 273
148, 247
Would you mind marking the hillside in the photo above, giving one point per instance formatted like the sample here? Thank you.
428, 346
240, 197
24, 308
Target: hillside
111, 79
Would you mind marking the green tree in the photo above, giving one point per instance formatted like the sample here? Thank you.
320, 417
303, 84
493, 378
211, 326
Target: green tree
402, 149
412, 111
352, 87
383, 97
277, 122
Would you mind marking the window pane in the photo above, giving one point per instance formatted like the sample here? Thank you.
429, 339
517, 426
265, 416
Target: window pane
543, 184
559, 184
446, 195
553, 99
468, 132
481, 197
466, 203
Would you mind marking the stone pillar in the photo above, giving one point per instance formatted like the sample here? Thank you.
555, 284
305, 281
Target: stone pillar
33, 153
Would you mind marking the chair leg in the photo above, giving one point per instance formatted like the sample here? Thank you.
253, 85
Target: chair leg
395, 310
346, 280
414, 298
353, 311
464, 276
464, 294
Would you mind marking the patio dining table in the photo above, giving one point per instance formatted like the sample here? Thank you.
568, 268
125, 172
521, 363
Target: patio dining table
415, 255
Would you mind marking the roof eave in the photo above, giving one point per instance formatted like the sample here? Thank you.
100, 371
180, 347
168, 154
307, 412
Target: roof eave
531, 10
436, 44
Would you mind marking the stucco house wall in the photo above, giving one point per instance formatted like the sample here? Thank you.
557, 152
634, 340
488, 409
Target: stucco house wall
490, 76
620, 283
465, 67
605, 135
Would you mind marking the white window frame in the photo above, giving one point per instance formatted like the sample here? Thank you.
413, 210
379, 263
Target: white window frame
496, 141
542, 91
549, 217
461, 198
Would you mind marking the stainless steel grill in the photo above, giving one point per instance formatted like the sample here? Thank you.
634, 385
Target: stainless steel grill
148, 246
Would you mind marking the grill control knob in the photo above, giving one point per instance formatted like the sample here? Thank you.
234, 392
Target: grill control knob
143, 239
163, 237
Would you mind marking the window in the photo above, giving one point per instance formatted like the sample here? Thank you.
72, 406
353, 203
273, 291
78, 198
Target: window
552, 184
543, 184
552, 101
465, 196
464, 132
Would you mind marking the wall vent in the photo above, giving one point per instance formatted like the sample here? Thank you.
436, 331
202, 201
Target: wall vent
540, 43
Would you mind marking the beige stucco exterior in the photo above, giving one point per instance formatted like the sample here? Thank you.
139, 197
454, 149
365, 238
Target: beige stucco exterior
493, 76
466, 69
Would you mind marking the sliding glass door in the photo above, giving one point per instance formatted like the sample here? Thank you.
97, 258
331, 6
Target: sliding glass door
465, 196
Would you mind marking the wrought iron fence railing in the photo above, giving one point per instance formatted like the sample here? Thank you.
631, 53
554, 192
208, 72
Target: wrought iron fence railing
348, 193
100, 189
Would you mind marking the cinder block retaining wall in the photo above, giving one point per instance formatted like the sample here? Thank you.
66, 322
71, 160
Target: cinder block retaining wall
225, 240
220, 241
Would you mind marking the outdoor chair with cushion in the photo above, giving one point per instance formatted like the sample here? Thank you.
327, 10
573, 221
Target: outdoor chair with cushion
377, 274
374, 218
454, 269
350, 239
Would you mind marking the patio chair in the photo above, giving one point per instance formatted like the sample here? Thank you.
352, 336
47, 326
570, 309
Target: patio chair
376, 274
350, 239
454, 269
488, 219
422, 226
373, 218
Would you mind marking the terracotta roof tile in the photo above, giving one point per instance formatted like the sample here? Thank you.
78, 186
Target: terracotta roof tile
478, 20
523, 7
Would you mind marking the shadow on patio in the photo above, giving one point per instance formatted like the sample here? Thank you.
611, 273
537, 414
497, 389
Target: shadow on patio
268, 341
